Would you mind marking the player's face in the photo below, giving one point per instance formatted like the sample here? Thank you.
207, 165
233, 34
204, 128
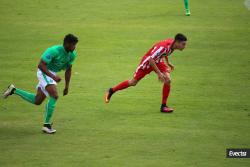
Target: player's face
70, 47
181, 45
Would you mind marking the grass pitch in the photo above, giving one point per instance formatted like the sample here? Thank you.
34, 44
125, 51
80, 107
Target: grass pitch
210, 85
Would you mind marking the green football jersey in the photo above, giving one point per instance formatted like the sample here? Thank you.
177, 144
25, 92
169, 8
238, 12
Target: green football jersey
57, 58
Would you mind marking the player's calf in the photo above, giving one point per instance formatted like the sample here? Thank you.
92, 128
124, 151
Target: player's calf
121, 86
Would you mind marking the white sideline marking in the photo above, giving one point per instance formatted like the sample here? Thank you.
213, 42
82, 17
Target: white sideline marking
247, 4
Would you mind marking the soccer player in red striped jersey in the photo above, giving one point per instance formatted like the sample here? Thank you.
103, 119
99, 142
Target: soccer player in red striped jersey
153, 60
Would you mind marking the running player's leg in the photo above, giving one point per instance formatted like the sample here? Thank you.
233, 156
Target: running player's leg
125, 84
139, 74
186, 4
49, 109
27, 96
47, 87
166, 87
36, 99
51, 104
165, 94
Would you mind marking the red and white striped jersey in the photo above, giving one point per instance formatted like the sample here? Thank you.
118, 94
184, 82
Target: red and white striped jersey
157, 52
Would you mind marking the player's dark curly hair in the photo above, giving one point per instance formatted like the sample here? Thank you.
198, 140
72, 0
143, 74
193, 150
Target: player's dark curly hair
180, 37
70, 38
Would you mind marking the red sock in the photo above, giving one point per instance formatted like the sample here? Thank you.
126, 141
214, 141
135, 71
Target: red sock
165, 93
122, 85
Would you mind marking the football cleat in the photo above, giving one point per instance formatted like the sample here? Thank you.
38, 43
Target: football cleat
47, 128
108, 95
166, 109
9, 91
188, 13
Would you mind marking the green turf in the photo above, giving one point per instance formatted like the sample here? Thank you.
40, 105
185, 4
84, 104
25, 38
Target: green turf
211, 84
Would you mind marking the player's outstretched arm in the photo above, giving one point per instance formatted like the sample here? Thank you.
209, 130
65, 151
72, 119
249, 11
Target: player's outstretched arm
67, 80
42, 66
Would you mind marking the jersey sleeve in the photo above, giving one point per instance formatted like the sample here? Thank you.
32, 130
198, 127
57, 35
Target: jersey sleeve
47, 56
157, 51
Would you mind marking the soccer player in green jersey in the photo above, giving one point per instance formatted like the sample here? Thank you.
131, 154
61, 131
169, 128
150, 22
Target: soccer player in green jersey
186, 4
53, 60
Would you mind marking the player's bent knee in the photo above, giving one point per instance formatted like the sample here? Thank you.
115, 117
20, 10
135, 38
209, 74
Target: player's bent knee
55, 96
38, 103
133, 82
167, 82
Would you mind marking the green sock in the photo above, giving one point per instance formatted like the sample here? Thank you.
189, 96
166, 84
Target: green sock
50, 106
186, 5
30, 97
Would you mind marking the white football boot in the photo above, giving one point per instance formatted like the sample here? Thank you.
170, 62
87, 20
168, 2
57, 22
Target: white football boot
47, 128
9, 91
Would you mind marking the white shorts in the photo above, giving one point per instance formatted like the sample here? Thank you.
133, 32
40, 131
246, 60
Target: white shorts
44, 80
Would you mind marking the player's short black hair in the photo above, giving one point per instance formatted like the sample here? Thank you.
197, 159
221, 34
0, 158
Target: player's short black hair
70, 38
180, 37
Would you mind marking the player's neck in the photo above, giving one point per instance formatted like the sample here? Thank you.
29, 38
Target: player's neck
173, 46
66, 50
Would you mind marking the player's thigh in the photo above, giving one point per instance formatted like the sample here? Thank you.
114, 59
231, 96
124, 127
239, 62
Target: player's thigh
164, 70
140, 74
163, 67
52, 90
40, 96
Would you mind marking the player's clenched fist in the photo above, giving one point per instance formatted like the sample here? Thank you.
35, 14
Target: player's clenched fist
56, 78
